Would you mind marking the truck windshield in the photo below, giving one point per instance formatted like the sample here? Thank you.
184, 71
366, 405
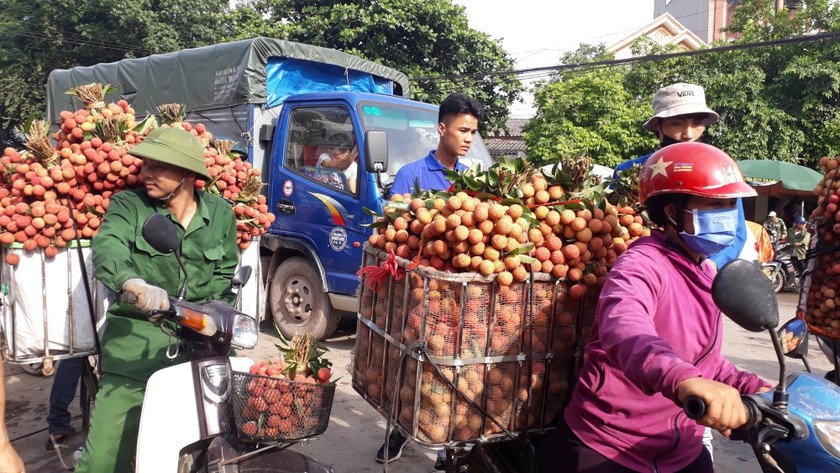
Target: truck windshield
412, 133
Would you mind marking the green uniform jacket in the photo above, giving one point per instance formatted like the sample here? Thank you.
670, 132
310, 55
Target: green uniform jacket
132, 346
795, 236
776, 229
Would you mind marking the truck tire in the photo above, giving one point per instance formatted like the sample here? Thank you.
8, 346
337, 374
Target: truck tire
299, 303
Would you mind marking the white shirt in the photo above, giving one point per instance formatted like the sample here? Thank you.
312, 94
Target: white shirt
349, 173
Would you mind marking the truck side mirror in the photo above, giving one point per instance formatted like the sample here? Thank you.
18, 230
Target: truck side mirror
376, 151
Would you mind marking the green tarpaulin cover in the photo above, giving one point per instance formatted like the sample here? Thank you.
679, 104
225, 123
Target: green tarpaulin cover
223, 75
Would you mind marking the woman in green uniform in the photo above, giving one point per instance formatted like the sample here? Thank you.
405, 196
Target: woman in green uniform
133, 347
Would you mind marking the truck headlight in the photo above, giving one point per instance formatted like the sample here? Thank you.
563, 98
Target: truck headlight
244, 331
828, 433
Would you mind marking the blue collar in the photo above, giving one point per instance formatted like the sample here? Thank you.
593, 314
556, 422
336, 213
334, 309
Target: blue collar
432, 164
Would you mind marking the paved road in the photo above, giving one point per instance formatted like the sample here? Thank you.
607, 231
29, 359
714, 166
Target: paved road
356, 430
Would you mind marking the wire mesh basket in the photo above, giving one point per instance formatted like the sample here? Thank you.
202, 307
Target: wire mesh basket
456, 358
278, 409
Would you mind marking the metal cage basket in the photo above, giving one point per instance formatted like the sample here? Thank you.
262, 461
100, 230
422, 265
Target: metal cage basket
278, 409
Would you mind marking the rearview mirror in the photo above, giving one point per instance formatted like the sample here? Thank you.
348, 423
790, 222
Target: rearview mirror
376, 151
745, 294
241, 277
794, 338
161, 233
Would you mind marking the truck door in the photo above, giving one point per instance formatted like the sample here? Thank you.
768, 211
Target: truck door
315, 193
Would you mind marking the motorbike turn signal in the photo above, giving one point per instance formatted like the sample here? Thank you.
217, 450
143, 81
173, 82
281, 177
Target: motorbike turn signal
199, 322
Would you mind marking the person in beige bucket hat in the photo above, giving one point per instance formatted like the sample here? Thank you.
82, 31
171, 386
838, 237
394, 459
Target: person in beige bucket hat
686, 101
680, 114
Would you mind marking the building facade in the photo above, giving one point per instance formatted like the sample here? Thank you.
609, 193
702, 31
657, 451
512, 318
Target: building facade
664, 30
707, 18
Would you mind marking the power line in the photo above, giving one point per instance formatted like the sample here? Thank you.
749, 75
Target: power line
680, 18
80, 42
638, 59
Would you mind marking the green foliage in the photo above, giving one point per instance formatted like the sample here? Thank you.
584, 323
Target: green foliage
779, 103
302, 353
503, 179
587, 112
421, 38
37, 37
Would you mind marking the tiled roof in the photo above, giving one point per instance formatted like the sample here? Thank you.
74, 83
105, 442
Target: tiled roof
500, 146
514, 126
509, 142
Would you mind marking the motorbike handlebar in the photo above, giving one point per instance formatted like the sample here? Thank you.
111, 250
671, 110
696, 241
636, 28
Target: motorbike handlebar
131, 298
695, 408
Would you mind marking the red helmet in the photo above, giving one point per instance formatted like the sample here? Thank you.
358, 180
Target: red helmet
692, 168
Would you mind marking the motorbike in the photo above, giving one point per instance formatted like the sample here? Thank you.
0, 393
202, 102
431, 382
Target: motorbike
796, 426
187, 420
781, 271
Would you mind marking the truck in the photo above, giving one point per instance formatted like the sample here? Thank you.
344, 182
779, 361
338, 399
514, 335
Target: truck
288, 104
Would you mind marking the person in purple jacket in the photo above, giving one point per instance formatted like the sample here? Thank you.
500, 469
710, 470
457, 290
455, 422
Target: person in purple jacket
657, 334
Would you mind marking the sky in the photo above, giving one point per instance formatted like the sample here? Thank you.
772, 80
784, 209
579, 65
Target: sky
537, 32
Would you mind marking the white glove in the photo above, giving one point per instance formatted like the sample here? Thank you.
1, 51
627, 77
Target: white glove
144, 296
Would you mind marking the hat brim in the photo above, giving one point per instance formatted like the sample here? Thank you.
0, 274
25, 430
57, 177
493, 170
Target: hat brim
683, 109
168, 155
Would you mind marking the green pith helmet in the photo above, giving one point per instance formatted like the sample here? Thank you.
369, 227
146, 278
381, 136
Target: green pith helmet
173, 146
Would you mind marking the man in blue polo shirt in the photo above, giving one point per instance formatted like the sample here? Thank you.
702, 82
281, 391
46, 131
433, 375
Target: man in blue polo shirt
458, 118
680, 114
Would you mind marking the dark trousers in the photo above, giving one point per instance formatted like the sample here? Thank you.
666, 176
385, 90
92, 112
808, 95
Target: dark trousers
564, 447
798, 266
63, 391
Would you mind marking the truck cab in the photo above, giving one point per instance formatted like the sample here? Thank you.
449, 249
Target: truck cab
289, 106
315, 243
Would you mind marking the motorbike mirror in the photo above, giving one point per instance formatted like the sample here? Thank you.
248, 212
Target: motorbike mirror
745, 294
241, 277
794, 338
161, 233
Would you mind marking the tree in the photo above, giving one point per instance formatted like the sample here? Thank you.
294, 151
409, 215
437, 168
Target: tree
428, 40
791, 109
780, 102
37, 37
587, 112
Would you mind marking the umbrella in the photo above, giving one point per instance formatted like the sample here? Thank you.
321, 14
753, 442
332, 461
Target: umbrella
765, 172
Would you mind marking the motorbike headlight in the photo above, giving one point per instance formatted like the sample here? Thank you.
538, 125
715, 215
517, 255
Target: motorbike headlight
828, 433
244, 331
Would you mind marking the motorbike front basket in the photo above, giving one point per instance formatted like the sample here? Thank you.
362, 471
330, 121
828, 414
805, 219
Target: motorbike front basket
278, 409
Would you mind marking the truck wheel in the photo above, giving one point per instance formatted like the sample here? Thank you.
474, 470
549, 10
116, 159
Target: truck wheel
299, 303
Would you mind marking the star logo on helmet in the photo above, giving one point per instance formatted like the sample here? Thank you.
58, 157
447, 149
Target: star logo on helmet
730, 175
660, 167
